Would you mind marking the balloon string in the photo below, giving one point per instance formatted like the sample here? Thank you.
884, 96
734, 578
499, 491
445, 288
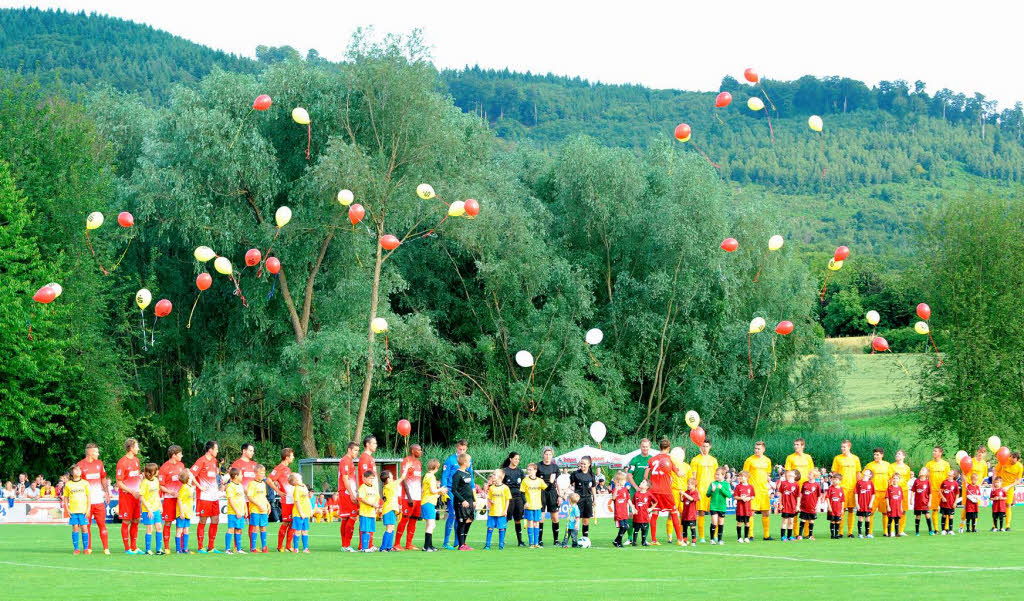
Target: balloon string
259, 272
934, 346
29, 320
713, 164
825, 285
750, 361
533, 403
387, 355
589, 352
822, 134
238, 290
771, 130
152, 335
88, 241
119, 259
775, 360
764, 258
431, 230
270, 294
309, 138
903, 367
772, 104
194, 303
142, 324
240, 126
873, 330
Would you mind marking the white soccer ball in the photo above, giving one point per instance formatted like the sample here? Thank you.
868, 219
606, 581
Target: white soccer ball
585, 542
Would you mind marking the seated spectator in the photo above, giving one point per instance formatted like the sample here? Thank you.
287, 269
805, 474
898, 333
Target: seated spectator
22, 484
9, 493
48, 491
32, 492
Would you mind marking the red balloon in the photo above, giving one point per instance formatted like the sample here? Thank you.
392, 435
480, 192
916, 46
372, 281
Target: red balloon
404, 427
880, 344
45, 295
203, 281
253, 257
125, 219
697, 435
273, 264
389, 242
262, 102
162, 308
965, 465
683, 132
841, 253
472, 207
751, 75
723, 99
356, 213
1003, 456
730, 245
924, 311
785, 328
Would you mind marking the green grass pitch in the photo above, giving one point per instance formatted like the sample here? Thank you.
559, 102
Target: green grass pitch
36, 563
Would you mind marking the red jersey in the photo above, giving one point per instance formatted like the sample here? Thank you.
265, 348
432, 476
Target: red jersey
94, 474
280, 475
366, 463
621, 503
836, 499
998, 498
205, 471
642, 502
809, 493
743, 507
865, 492
661, 469
347, 470
789, 495
895, 496
413, 482
922, 494
950, 490
128, 473
690, 506
248, 469
170, 478
969, 505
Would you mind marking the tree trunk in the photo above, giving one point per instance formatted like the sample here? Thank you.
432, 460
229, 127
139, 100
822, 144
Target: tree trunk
368, 379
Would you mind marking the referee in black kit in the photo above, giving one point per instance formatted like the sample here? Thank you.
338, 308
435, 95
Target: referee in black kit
548, 471
513, 479
583, 483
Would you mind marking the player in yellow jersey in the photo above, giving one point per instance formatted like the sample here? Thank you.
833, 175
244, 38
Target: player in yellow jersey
369, 500
390, 508
498, 498
259, 509
678, 478
533, 489
75, 498
801, 462
704, 467
938, 470
184, 511
901, 469
847, 465
149, 498
1011, 473
979, 468
432, 491
880, 468
301, 513
237, 511
759, 467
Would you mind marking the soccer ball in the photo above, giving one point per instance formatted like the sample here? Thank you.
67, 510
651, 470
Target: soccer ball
585, 542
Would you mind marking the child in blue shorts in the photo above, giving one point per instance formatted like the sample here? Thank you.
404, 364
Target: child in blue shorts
152, 517
432, 491
369, 500
75, 498
259, 509
498, 498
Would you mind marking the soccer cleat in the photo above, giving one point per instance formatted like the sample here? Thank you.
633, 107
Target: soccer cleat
411, 548
105, 551
204, 551
657, 544
161, 552
396, 549
76, 552
870, 536
150, 552
521, 544
531, 546
448, 547
465, 548
306, 551
859, 535
487, 547
721, 542
951, 533
229, 552
713, 542
702, 541
241, 552
678, 543
918, 533
800, 537
265, 550
89, 551
215, 551
943, 532
903, 533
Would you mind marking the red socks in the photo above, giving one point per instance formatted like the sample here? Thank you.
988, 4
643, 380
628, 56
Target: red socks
348, 527
200, 534
167, 533
678, 527
125, 527
402, 523
284, 539
410, 531
654, 527
213, 534
133, 534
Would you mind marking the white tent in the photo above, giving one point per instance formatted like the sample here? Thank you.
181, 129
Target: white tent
598, 457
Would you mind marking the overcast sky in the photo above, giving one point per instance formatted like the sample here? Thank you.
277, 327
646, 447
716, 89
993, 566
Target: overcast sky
687, 44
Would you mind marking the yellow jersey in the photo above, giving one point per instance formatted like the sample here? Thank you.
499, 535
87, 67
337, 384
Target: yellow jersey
904, 472
369, 499
532, 488
801, 462
431, 491
303, 506
848, 467
879, 474
679, 482
149, 495
937, 473
185, 509
76, 495
1010, 474
760, 469
256, 492
703, 467
498, 498
236, 499
391, 498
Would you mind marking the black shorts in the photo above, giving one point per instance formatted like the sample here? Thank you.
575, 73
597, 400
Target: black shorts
835, 517
920, 512
464, 514
787, 515
947, 510
586, 507
720, 514
864, 514
690, 524
515, 508
972, 515
998, 514
743, 519
808, 516
549, 501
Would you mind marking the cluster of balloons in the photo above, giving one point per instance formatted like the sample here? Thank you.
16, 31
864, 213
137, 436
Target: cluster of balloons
93, 221
757, 325
994, 444
163, 307
697, 434
834, 264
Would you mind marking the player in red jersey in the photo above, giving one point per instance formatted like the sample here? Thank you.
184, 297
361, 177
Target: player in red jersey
691, 501
894, 506
412, 493
789, 498
922, 489
972, 499
998, 498
169, 485
247, 467
743, 494
865, 493
836, 497
659, 474
950, 491
810, 491
99, 494
623, 506
348, 492
278, 480
205, 471
367, 464
128, 478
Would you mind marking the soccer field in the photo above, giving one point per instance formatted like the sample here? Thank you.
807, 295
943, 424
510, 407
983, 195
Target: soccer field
36, 563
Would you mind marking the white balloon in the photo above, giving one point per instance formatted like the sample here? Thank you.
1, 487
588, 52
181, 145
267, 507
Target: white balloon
57, 289
873, 317
775, 242
594, 336
524, 359
960, 455
598, 431
345, 197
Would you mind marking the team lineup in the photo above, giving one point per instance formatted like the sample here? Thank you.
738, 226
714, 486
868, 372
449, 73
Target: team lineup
652, 484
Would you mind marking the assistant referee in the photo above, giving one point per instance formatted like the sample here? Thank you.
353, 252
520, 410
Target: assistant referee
513, 479
548, 471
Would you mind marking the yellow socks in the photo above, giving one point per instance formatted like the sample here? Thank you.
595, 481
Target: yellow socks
766, 525
700, 525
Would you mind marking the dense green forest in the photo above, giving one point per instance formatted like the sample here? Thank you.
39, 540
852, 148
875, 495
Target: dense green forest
592, 216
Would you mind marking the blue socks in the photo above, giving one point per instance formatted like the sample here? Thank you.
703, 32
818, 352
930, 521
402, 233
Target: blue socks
159, 540
295, 542
184, 543
149, 542
263, 539
238, 541
387, 542
74, 539
85, 540
227, 541
305, 542
490, 532
449, 526
364, 540
252, 540
501, 537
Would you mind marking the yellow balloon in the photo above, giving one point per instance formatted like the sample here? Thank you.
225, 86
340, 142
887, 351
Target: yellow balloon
754, 103
457, 209
834, 265
282, 216
204, 254
222, 265
994, 443
57, 289
692, 419
300, 116
686, 139
94, 220
815, 123
921, 328
425, 191
142, 298
873, 317
756, 325
775, 242
345, 197
379, 325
